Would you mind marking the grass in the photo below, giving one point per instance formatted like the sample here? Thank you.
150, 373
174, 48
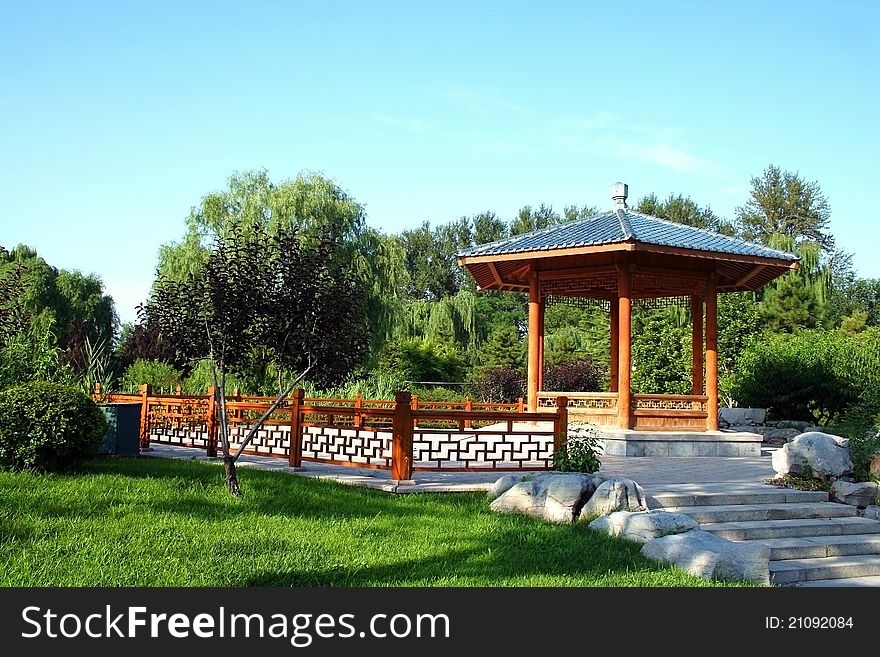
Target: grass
162, 522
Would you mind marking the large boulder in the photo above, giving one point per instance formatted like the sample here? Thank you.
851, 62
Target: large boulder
503, 484
861, 494
618, 494
826, 455
873, 512
711, 557
553, 496
643, 526
742, 415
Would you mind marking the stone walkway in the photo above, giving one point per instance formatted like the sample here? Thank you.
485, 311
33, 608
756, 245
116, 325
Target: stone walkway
657, 474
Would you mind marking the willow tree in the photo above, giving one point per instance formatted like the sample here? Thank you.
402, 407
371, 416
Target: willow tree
268, 296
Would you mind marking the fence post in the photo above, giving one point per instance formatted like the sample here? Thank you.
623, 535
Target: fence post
560, 433
469, 407
211, 422
520, 405
294, 452
402, 441
146, 390
414, 404
178, 390
358, 404
96, 392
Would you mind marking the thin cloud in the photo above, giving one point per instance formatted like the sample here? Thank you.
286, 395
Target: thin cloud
479, 101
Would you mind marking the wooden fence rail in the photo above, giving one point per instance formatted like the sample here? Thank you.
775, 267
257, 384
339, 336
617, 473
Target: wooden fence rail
400, 435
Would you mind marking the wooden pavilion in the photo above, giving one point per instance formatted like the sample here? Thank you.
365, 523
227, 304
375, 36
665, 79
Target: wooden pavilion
616, 259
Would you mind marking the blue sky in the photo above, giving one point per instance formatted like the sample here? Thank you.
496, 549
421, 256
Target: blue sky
117, 117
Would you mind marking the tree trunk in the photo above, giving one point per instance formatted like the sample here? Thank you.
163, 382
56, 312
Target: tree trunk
231, 477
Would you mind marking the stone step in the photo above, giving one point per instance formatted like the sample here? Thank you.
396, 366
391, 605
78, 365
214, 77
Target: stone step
747, 512
816, 547
872, 581
757, 495
796, 528
792, 571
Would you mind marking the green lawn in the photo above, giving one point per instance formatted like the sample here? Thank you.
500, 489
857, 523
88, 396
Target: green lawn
158, 522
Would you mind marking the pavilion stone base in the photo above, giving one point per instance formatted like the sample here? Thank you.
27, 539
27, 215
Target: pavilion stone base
622, 442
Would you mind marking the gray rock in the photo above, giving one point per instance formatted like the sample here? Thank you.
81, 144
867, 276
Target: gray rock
552, 496
742, 415
748, 428
783, 435
618, 494
861, 494
711, 557
873, 512
800, 425
826, 455
643, 526
503, 485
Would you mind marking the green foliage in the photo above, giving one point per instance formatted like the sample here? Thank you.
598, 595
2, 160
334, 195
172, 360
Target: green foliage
809, 375
162, 376
503, 348
572, 376
500, 385
422, 360
376, 385
580, 453
31, 355
801, 482
790, 305
48, 427
441, 394
685, 211
661, 355
739, 324
783, 203
573, 333
72, 304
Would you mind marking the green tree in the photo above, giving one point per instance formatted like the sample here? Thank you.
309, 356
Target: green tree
69, 305
790, 305
661, 354
783, 203
271, 297
684, 210
503, 348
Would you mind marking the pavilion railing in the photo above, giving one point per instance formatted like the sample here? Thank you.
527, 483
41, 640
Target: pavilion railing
647, 411
400, 435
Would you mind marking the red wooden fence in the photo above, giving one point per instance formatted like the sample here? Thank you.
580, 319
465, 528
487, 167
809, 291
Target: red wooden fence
400, 435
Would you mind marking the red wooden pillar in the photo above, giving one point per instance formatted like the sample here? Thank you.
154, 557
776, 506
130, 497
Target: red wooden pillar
146, 390
624, 303
294, 452
615, 343
541, 307
697, 344
712, 355
560, 435
402, 438
534, 365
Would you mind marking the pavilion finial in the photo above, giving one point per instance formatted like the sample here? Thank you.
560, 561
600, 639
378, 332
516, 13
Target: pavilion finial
619, 192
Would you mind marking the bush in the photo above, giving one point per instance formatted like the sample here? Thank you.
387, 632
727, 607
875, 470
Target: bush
809, 375
580, 453
421, 360
48, 427
569, 376
499, 385
162, 376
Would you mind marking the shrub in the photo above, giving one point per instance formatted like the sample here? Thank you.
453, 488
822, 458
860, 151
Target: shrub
499, 385
580, 453
48, 427
568, 376
809, 375
162, 376
440, 394
423, 360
